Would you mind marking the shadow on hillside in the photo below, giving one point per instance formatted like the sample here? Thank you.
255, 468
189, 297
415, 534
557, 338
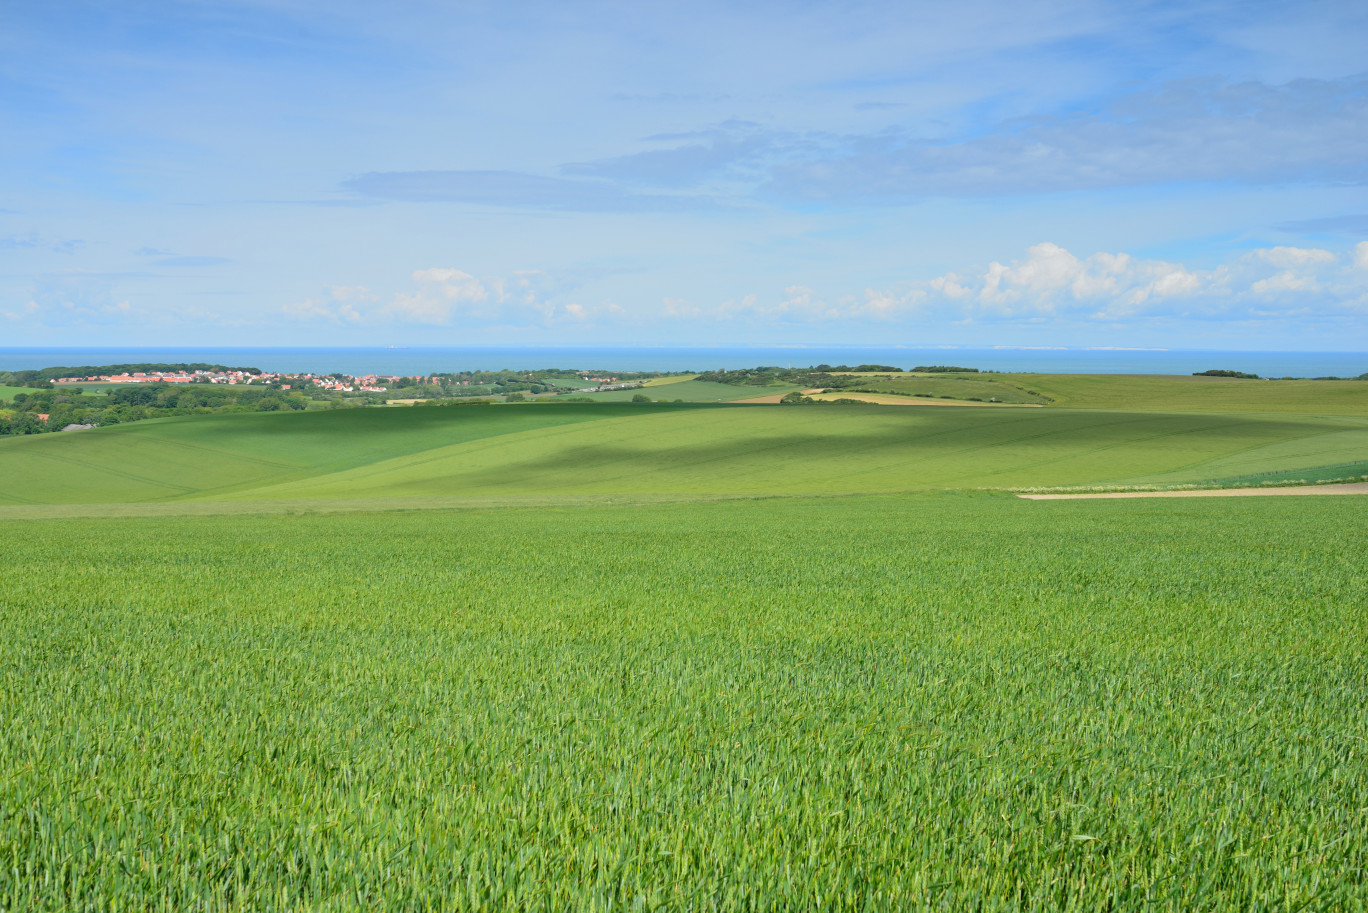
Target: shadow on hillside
958, 445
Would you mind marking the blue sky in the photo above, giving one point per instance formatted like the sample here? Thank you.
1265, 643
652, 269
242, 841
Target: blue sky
1181, 175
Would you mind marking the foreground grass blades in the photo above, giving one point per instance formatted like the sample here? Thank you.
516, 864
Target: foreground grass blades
951, 702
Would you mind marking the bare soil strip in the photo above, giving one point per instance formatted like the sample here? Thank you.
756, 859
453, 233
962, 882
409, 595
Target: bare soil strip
892, 399
1347, 488
772, 399
880, 399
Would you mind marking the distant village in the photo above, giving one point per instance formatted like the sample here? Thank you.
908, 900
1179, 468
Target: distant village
82, 397
364, 383
369, 383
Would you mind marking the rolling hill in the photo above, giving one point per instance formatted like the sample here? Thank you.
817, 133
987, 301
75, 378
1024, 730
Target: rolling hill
572, 450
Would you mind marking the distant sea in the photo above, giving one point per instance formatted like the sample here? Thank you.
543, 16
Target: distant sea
427, 360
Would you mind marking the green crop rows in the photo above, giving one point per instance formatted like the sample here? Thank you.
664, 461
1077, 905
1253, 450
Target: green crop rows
686, 450
950, 702
808, 663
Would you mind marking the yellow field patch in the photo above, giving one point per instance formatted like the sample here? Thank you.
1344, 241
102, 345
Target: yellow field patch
666, 381
889, 399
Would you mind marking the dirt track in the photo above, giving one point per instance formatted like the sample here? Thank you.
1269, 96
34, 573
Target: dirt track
881, 399
892, 399
1347, 488
771, 399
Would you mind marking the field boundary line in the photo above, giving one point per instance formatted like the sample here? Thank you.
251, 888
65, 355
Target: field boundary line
1340, 488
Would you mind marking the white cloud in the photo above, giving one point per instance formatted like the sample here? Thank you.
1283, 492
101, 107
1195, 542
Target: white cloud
885, 305
1286, 281
27, 312
81, 298
1295, 257
442, 297
1050, 279
950, 286
342, 304
314, 309
679, 307
581, 314
1050, 282
449, 297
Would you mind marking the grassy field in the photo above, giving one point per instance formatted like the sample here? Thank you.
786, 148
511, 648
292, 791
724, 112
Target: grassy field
1003, 388
691, 391
806, 663
1169, 393
948, 702
667, 381
1129, 392
553, 450
8, 393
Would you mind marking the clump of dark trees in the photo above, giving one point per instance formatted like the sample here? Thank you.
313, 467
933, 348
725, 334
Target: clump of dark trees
831, 377
1241, 374
797, 399
1216, 372
503, 383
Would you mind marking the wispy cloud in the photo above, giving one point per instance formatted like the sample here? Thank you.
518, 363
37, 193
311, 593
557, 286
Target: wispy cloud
191, 262
1051, 283
734, 151
509, 189
1191, 131
1186, 132
74, 298
35, 242
1328, 225
450, 297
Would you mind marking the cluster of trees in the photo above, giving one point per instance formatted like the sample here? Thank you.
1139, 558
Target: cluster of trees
1215, 372
481, 382
824, 375
504, 383
1224, 373
797, 399
839, 376
134, 402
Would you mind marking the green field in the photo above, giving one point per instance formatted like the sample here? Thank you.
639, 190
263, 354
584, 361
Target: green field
550, 450
8, 393
870, 703
1164, 393
691, 391
667, 381
1003, 388
608, 656
1169, 393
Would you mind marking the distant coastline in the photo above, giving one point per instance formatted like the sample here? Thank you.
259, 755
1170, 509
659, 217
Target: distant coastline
427, 359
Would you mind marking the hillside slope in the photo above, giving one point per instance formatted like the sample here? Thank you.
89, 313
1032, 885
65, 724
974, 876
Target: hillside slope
195, 456
552, 451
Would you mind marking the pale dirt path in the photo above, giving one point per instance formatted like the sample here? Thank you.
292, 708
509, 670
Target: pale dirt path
889, 399
879, 399
1346, 488
775, 398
